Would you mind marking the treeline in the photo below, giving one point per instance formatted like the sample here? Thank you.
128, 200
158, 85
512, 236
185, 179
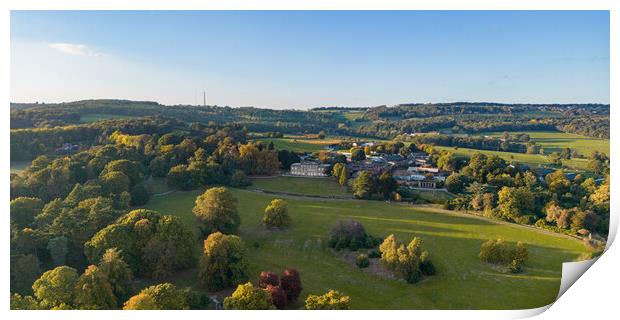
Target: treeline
255, 119
29, 143
472, 142
497, 189
425, 110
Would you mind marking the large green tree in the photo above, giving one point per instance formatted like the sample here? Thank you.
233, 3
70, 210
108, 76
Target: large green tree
93, 290
55, 288
276, 214
223, 263
248, 297
216, 209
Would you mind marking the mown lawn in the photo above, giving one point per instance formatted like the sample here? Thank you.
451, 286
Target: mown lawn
533, 160
302, 186
453, 240
553, 141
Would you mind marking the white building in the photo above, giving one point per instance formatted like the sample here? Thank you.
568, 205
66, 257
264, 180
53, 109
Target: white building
309, 169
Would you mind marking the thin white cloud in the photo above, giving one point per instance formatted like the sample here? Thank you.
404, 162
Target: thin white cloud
76, 49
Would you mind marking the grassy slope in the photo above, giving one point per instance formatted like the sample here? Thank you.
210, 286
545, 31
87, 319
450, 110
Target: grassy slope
453, 240
556, 141
305, 186
533, 160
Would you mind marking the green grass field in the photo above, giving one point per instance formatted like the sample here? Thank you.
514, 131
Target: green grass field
556, 141
453, 240
303, 186
533, 160
297, 145
88, 118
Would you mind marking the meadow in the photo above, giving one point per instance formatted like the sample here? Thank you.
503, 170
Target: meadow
453, 240
553, 141
533, 160
302, 186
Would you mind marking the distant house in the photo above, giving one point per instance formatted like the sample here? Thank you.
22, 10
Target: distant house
310, 169
423, 170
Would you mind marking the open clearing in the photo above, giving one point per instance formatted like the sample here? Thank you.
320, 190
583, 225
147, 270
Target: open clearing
553, 141
453, 240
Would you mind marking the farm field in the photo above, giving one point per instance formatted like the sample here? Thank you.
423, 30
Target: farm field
555, 141
533, 160
302, 186
453, 240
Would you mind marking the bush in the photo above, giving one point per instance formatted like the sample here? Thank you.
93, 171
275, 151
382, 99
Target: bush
239, 179
426, 265
278, 296
362, 261
268, 279
500, 252
406, 261
374, 254
290, 281
276, 214
350, 235
332, 300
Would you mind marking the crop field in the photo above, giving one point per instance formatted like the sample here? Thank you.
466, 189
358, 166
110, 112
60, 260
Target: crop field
533, 160
556, 141
302, 186
453, 240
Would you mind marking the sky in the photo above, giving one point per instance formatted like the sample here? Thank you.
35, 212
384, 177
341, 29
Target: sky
302, 59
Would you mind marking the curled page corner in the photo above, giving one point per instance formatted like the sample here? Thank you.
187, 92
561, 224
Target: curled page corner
571, 271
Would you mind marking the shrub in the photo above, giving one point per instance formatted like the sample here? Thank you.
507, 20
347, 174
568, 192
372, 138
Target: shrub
268, 279
290, 281
278, 296
350, 235
405, 261
500, 252
239, 179
362, 261
223, 262
426, 265
374, 254
332, 300
248, 297
276, 214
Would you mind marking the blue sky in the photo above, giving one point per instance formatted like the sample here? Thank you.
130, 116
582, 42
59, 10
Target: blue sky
300, 59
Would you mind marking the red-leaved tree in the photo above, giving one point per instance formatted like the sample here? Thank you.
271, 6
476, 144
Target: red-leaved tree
278, 296
290, 282
267, 278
